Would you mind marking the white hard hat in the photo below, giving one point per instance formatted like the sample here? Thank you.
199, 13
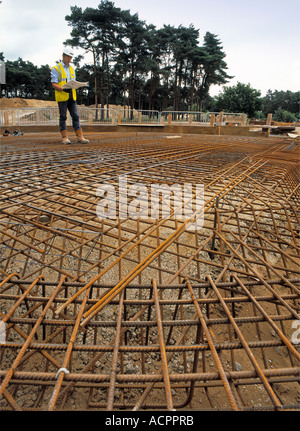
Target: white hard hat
68, 52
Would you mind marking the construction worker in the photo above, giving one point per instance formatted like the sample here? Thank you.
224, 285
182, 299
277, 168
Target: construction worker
60, 75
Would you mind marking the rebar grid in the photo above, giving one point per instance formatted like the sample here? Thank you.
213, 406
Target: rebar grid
146, 314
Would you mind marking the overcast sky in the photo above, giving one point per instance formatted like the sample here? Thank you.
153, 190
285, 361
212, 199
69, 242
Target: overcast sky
261, 38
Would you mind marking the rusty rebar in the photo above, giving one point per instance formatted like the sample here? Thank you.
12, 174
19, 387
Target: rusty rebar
123, 305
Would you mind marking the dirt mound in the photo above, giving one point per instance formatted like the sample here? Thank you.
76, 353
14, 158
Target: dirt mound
17, 102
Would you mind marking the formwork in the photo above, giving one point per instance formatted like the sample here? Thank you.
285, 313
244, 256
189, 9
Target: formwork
137, 313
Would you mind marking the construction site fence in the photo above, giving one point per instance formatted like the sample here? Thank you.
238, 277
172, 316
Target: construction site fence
20, 117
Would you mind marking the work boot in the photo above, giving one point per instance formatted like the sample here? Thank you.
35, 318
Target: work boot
65, 139
80, 138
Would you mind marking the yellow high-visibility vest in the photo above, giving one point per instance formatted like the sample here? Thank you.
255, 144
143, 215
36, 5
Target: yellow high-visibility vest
61, 96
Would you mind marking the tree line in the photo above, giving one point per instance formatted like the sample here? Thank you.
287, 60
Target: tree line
284, 105
26, 80
139, 65
136, 64
133, 63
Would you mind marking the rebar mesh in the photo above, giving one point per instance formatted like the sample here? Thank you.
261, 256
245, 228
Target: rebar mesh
147, 314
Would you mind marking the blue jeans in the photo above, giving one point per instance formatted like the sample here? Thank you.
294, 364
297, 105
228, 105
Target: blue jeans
63, 107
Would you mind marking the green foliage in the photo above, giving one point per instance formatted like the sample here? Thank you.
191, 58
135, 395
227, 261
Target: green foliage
24, 79
286, 100
284, 116
133, 63
259, 115
137, 64
241, 98
146, 67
